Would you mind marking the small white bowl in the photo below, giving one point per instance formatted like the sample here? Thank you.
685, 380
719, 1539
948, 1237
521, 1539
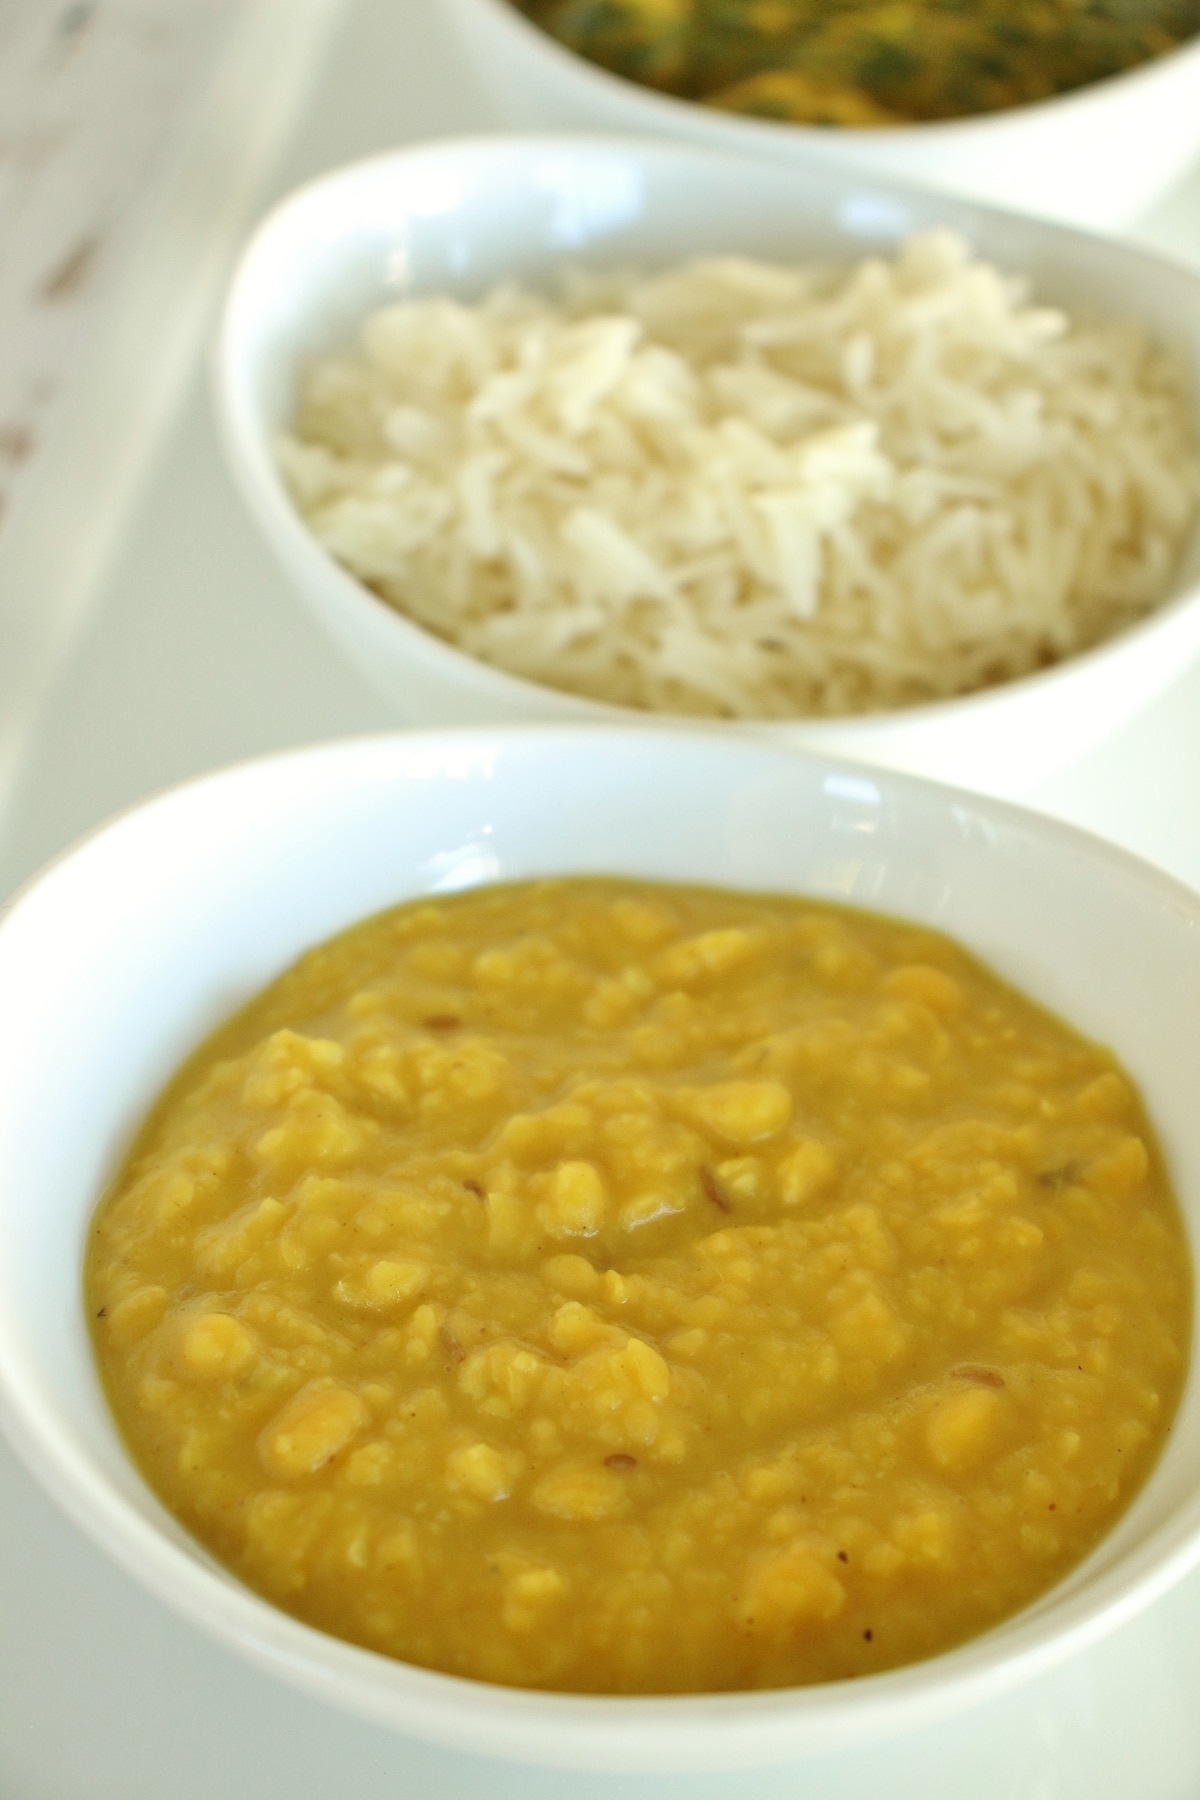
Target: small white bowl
1096, 156
460, 216
134, 945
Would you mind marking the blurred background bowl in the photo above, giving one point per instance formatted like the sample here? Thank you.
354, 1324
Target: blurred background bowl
1095, 156
126, 952
462, 215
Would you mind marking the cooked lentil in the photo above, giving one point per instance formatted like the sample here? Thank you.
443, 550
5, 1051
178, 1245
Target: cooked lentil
595, 1285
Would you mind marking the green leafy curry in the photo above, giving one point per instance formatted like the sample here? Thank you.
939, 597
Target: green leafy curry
866, 62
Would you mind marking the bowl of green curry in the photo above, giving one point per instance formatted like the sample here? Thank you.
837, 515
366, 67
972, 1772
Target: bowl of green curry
1084, 110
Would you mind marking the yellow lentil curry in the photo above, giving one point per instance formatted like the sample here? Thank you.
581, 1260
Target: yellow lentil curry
866, 62
602, 1286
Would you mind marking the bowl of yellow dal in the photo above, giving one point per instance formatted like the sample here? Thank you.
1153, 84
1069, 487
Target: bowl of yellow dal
454, 1228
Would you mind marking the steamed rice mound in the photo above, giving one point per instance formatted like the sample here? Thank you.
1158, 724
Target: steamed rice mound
741, 489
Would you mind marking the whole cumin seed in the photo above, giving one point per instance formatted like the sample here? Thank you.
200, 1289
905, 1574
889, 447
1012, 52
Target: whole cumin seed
981, 1376
708, 1182
1061, 1176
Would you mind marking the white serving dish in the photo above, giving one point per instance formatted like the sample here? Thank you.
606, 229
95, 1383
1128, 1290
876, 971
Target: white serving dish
119, 959
1095, 156
461, 216
156, 638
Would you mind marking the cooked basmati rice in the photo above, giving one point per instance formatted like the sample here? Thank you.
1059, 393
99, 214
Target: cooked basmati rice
750, 490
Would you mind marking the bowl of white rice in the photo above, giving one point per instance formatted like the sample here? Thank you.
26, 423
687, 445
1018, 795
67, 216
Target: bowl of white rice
560, 428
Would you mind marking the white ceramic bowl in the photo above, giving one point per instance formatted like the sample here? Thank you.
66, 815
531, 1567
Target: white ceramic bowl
1096, 156
459, 216
128, 950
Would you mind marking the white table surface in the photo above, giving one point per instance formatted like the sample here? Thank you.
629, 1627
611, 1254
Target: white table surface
90, 91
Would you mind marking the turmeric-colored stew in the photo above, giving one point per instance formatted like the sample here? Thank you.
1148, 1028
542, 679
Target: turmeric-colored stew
605, 1286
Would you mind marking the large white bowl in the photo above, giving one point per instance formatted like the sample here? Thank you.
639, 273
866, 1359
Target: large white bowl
460, 216
1095, 156
128, 950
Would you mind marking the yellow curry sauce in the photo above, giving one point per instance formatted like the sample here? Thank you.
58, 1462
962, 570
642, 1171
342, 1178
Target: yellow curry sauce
603, 1286
866, 62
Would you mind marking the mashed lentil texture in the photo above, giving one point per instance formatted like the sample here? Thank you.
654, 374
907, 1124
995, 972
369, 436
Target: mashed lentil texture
609, 1287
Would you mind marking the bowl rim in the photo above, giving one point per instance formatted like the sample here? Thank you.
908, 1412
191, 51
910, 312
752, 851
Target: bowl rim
758, 128
246, 435
533, 1726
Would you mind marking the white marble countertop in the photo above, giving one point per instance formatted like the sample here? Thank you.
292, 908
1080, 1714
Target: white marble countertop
90, 93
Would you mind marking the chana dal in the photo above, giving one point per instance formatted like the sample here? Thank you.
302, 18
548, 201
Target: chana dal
602, 1286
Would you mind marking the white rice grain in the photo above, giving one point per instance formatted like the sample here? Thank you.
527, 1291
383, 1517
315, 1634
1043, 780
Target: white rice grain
742, 489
